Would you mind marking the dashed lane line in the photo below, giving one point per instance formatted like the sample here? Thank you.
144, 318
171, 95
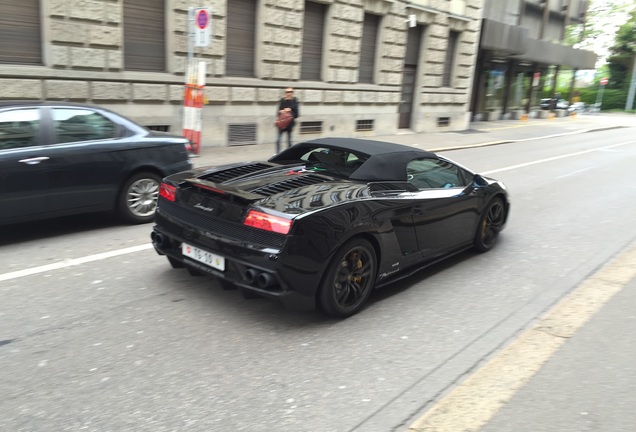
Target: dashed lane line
72, 262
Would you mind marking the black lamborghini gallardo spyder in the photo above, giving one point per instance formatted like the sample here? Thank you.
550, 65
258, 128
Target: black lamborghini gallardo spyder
325, 221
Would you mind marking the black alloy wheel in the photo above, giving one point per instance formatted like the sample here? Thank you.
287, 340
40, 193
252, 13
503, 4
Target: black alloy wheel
490, 225
138, 198
349, 280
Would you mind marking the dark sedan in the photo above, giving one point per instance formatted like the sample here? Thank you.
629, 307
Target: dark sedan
326, 221
58, 159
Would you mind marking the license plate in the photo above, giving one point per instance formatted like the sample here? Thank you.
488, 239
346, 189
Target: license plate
203, 256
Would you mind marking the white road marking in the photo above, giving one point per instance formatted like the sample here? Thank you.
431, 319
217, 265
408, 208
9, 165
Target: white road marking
540, 161
574, 172
73, 262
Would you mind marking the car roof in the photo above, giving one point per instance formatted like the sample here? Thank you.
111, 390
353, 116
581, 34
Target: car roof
23, 103
385, 161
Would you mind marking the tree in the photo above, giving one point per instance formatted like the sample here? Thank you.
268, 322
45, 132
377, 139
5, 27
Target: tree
622, 53
601, 23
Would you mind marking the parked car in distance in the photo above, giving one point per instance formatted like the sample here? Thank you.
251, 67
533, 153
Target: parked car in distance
326, 221
578, 107
58, 159
556, 103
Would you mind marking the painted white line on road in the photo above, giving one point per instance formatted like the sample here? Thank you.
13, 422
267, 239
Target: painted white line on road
574, 172
540, 161
73, 262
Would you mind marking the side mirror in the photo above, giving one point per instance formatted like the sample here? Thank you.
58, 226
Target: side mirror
479, 181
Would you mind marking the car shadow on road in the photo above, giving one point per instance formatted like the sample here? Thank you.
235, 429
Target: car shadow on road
49, 228
397, 287
272, 315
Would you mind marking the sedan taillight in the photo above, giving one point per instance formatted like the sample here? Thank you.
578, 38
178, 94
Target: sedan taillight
169, 192
267, 222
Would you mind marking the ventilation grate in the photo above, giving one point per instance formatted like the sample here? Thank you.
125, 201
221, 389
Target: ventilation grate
241, 134
310, 127
288, 184
159, 128
443, 121
364, 125
232, 173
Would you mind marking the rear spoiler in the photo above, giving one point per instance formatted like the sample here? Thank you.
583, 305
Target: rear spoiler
223, 189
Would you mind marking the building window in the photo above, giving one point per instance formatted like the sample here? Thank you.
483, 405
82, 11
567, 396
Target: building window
144, 35
368, 48
453, 39
313, 36
20, 32
241, 37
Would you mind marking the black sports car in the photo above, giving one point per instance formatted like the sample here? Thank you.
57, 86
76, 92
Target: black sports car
58, 159
326, 221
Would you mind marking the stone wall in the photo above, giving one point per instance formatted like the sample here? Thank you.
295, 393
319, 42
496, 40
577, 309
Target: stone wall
83, 61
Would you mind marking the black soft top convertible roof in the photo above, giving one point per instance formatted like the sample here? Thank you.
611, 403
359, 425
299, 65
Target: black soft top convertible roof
385, 161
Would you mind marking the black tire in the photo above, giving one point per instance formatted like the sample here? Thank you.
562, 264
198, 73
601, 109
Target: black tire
490, 225
349, 279
137, 202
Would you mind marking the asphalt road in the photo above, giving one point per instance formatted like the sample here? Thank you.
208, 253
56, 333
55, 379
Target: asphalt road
97, 332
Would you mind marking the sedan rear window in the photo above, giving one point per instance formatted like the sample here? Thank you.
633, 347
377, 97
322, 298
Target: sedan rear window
73, 125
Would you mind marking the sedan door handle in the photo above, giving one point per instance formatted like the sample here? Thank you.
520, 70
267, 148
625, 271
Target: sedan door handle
34, 161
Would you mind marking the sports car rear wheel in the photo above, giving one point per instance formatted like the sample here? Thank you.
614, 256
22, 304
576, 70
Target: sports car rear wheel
489, 226
349, 279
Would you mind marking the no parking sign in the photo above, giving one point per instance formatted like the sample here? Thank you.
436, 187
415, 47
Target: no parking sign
202, 27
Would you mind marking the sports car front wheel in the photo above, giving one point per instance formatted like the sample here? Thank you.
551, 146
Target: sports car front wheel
490, 224
349, 279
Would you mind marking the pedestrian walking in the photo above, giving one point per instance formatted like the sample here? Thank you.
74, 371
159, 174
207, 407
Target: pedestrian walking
286, 116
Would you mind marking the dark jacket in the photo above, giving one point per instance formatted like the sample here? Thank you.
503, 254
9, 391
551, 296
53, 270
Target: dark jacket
293, 105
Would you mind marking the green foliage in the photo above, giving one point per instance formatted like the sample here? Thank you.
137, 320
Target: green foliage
613, 99
622, 53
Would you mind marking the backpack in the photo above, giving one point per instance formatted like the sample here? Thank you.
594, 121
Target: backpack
284, 120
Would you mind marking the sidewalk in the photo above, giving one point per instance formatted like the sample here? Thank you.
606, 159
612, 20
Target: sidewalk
479, 134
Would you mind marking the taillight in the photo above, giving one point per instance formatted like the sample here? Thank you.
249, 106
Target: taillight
267, 222
167, 191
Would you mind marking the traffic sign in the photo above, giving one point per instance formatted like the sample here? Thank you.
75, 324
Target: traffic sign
203, 27
604, 81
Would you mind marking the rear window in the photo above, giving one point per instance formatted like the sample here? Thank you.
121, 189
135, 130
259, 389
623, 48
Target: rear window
333, 161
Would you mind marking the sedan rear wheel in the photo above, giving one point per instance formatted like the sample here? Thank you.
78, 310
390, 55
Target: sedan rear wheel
490, 224
349, 280
138, 198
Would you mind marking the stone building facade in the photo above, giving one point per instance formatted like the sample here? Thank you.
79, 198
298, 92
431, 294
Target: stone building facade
359, 67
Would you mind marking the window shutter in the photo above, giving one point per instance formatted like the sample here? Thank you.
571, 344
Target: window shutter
367, 47
313, 35
144, 35
20, 36
241, 35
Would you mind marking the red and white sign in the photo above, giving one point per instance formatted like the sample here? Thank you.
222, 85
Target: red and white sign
535, 79
202, 27
604, 81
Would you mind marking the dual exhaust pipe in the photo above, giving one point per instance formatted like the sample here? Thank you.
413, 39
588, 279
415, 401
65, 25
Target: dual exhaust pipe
263, 280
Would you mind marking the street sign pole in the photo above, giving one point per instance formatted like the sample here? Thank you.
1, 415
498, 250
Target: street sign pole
599, 95
632, 88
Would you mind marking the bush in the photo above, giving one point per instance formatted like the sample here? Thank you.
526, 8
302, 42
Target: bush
612, 98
